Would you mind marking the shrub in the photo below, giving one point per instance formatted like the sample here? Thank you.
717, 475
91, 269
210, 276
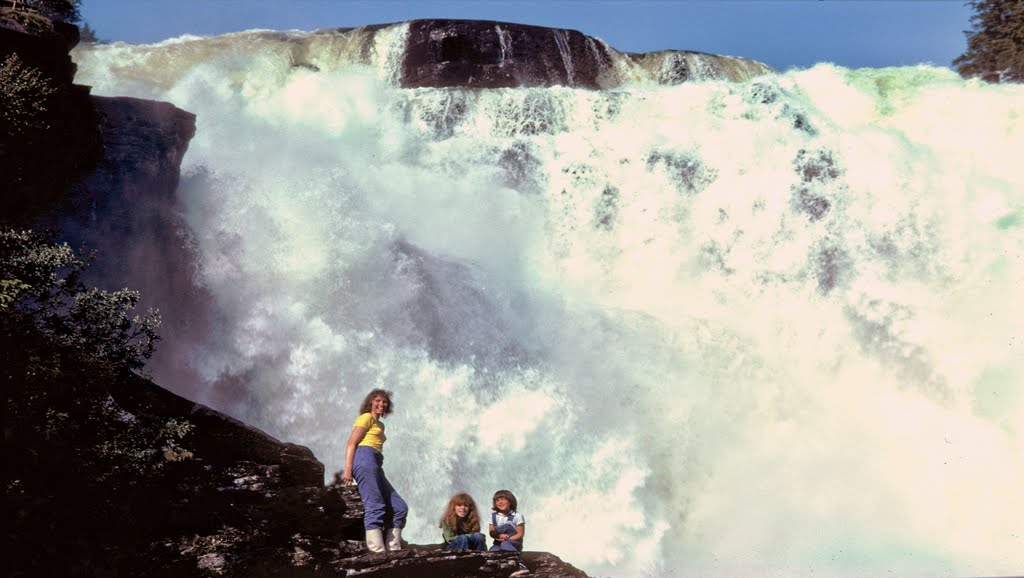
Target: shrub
42, 289
24, 97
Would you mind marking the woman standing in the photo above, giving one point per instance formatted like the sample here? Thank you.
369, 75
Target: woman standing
385, 510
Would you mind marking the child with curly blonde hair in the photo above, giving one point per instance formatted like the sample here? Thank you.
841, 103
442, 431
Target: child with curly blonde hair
460, 524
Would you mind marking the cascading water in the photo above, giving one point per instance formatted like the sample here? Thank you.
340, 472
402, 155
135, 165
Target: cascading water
716, 328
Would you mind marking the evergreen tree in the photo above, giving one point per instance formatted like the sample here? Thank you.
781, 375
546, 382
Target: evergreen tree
995, 42
87, 34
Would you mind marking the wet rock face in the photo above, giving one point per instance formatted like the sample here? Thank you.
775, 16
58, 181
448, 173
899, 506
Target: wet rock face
128, 209
486, 54
149, 136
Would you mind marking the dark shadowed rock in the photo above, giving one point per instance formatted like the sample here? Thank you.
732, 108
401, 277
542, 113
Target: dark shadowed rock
48, 136
132, 193
42, 43
128, 209
147, 136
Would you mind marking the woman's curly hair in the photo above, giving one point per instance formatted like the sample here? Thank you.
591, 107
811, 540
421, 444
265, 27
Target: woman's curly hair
467, 525
367, 404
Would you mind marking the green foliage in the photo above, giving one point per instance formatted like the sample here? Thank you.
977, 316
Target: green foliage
69, 349
136, 448
42, 288
25, 95
9, 289
995, 42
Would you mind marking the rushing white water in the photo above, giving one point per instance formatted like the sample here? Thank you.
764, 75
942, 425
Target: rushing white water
770, 328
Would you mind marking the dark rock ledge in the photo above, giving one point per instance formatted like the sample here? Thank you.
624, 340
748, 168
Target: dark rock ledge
167, 487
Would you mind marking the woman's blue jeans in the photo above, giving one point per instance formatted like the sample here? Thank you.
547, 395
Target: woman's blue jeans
384, 508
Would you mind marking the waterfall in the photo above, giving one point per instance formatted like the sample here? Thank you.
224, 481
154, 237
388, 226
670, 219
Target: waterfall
506, 43
563, 49
713, 328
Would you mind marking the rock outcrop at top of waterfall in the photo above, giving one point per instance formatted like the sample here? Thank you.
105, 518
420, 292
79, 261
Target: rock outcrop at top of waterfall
485, 54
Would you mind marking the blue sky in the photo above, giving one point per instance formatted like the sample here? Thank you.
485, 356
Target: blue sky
781, 33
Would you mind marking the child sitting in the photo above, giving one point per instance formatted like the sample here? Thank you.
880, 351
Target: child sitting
507, 525
460, 525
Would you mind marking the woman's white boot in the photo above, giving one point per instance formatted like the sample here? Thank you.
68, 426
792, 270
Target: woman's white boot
375, 540
395, 539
